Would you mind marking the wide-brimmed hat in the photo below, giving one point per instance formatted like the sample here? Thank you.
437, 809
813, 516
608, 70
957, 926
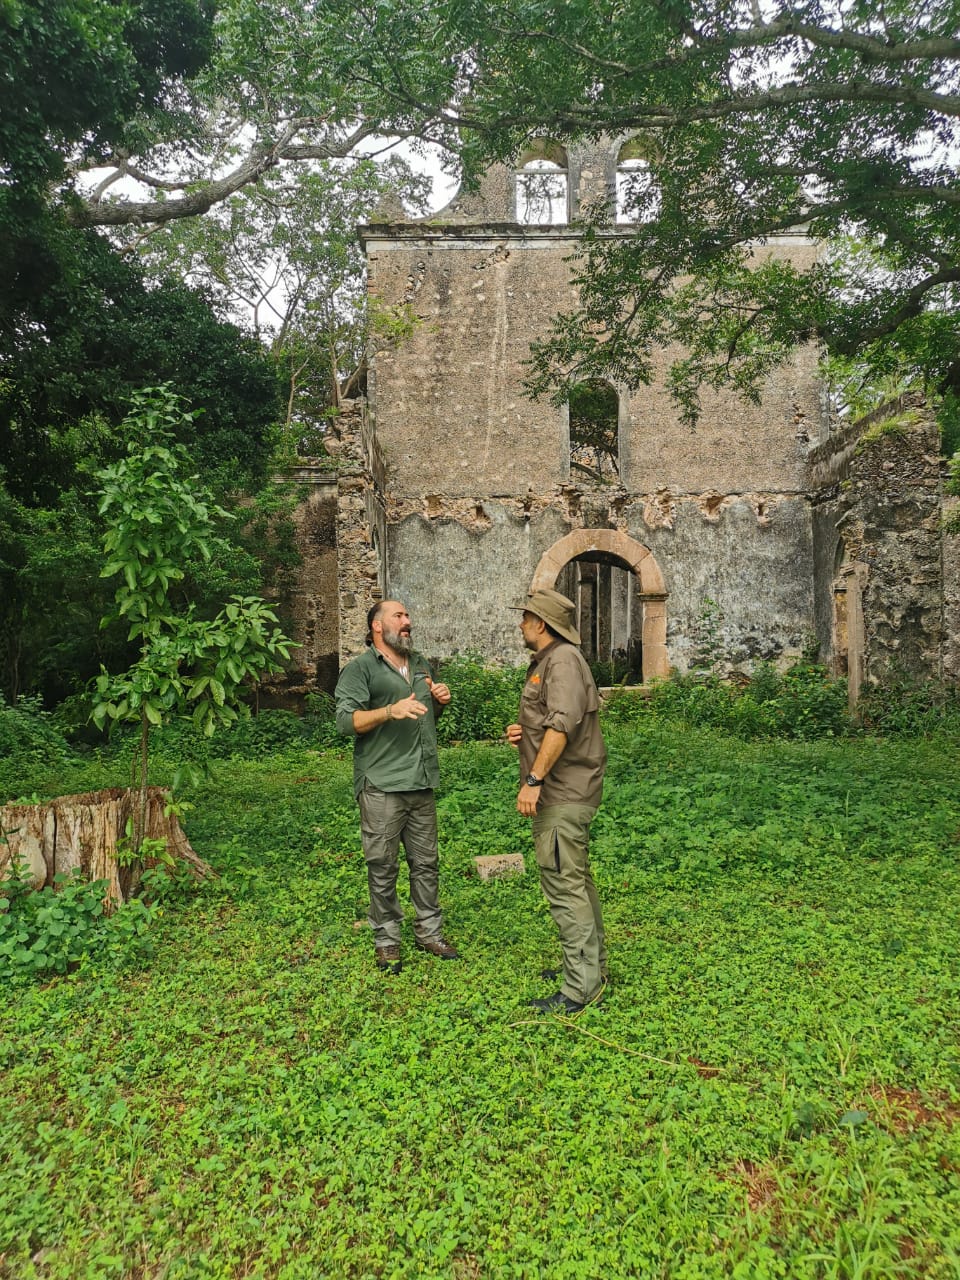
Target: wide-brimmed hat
555, 610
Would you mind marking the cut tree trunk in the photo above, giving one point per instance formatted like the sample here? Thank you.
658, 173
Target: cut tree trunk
81, 833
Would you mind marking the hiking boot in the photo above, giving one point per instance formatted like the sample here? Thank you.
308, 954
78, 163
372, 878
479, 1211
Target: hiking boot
388, 959
438, 947
557, 1003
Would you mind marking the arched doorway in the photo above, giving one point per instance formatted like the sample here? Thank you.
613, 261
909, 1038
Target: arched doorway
620, 596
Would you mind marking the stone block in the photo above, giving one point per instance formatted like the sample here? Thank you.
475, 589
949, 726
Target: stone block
499, 864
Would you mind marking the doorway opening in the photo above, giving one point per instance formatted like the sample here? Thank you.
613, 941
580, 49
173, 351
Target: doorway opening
609, 615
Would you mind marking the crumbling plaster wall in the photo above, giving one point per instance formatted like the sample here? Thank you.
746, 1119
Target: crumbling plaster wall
738, 575
460, 569
460, 564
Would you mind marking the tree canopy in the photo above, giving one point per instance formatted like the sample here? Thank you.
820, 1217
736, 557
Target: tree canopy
838, 118
75, 74
81, 328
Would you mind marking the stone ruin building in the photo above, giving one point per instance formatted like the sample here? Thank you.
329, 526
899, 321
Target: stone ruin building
767, 532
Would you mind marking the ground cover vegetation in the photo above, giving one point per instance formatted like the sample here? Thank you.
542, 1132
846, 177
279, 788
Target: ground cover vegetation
770, 1087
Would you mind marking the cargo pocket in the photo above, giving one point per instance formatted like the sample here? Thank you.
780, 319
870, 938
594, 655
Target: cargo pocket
546, 847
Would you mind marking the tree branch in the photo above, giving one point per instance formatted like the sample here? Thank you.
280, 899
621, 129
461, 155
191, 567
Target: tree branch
204, 195
911, 307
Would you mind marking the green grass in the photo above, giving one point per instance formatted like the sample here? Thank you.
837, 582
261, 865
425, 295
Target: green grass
770, 1088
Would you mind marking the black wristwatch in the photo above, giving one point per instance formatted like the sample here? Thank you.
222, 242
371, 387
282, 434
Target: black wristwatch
533, 781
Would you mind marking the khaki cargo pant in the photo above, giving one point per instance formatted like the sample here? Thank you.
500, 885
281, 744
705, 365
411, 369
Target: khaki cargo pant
388, 818
561, 841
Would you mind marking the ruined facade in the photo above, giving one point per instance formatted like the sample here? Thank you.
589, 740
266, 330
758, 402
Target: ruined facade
767, 532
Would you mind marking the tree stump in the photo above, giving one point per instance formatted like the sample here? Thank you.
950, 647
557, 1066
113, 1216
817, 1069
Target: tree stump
81, 833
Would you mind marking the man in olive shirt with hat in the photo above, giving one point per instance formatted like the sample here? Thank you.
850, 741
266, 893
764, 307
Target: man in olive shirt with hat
387, 701
562, 762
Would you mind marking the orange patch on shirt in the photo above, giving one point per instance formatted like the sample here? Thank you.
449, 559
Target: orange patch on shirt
535, 679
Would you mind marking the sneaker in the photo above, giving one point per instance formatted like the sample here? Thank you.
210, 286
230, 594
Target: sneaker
557, 1003
438, 947
388, 959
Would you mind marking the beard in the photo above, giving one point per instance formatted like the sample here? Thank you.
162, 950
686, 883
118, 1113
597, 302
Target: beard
398, 641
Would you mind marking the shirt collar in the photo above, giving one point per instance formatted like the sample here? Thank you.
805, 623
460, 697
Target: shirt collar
539, 656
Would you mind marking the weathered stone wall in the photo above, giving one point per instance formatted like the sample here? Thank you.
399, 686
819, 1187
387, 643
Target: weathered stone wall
448, 402
460, 565
478, 478
951, 595
878, 530
737, 570
311, 605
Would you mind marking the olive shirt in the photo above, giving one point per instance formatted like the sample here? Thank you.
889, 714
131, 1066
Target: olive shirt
560, 694
399, 755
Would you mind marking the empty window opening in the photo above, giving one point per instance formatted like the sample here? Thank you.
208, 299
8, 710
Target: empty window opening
542, 186
595, 430
638, 194
609, 616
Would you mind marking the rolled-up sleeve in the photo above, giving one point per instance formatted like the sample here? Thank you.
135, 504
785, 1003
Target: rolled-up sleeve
565, 694
352, 694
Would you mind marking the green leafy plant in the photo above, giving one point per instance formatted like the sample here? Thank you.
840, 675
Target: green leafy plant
51, 930
159, 517
767, 1090
802, 702
485, 699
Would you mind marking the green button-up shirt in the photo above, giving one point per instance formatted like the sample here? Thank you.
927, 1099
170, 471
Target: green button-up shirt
400, 755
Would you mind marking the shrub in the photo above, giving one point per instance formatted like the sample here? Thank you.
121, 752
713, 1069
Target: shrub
485, 699
50, 930
803, 703
27, 732
30, 748
905, 707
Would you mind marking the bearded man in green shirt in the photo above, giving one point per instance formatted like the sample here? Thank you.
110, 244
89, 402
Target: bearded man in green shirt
388, 702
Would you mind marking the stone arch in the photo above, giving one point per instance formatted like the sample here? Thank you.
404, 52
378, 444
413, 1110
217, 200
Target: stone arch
640, 561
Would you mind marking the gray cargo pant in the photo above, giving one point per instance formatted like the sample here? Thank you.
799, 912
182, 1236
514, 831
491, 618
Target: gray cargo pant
386, 819
561, 840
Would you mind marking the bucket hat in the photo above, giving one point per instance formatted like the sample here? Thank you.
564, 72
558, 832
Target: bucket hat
554, 609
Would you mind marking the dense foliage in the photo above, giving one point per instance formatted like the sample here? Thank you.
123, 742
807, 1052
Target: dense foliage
768, 1089
159, 519
803, 702
841, 120
81, 328
838, 119
75, 73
